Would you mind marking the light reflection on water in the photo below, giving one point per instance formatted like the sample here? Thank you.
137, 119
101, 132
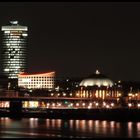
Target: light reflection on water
35, 127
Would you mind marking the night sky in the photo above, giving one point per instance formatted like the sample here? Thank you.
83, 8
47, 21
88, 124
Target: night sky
75, 39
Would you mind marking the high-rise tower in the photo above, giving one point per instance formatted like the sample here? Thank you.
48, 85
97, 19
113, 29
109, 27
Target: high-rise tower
14, 51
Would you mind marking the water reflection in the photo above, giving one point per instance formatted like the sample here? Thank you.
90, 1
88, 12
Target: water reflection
33, 122
130, 129
34, 127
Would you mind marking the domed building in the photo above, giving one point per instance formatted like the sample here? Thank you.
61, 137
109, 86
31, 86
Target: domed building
98, 86
97, 79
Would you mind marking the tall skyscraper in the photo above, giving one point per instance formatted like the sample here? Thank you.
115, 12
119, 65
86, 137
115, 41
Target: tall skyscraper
14, 51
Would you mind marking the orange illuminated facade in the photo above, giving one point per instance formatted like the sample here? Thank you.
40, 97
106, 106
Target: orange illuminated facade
37, 81
99, 87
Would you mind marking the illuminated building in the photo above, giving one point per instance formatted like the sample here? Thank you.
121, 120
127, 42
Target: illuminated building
98, 86
14, 49
97, 79
96, 91
37, 81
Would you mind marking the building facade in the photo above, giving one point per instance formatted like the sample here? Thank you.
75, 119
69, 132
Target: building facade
37, 81
100, 88
14, 51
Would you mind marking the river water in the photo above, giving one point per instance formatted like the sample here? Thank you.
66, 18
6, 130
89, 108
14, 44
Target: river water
57, 128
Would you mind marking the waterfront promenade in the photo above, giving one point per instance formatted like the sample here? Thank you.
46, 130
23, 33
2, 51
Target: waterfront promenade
67, 108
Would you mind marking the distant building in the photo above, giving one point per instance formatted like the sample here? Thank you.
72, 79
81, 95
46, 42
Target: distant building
98, 86
67, 84
14, 51
37, 81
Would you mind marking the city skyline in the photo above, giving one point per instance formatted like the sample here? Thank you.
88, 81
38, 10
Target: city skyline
75, 39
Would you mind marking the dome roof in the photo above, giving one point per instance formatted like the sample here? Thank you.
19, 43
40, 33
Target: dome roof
97, 79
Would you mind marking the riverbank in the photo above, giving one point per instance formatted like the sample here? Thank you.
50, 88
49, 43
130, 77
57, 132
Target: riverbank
121, 114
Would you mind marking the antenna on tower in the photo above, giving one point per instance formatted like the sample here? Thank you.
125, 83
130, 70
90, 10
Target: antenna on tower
14, 22
97, 71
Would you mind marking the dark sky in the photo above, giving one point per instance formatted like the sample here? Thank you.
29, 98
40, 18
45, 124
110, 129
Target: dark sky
75, 39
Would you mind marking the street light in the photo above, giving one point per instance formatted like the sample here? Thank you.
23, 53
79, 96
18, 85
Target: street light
129, 104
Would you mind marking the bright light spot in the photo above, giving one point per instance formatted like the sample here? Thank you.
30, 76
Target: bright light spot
59, 104
119, 94
138, 105
98, 84
112, 104
64, 94
6, 31
89, 107
24, 34
107, 106
30, 90
57, 88
104, 104
90, 104
6, 69
32, 119
83, 104
71, 104
77, 94
97, 72
133, 95
33, 104
130, 105
14, 22
97, 104
105, 84
77, 104
51, 94
4, 104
